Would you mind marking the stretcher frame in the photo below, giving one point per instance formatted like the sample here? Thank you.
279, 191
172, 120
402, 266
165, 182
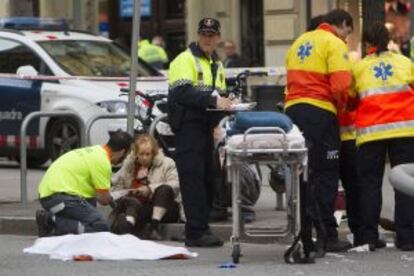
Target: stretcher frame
294, 161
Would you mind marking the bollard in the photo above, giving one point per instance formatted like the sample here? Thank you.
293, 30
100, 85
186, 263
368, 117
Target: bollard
23, 144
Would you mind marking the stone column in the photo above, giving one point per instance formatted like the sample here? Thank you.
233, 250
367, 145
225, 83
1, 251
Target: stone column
85, 12
228, 12
4, 8
284, 20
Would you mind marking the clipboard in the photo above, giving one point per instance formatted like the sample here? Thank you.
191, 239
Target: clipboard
236, 107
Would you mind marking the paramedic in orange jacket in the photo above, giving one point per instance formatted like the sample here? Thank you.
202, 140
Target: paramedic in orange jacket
318, 80
348, 154
385, 125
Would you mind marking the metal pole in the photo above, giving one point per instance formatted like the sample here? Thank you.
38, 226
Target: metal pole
93, 119
134, 65
23, 144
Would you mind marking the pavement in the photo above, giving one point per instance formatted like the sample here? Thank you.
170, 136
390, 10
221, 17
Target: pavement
19, 220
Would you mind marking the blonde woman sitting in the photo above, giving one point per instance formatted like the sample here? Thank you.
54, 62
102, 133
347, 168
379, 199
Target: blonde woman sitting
151, 180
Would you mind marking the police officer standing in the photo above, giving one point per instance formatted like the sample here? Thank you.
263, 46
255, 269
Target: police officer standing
196, 80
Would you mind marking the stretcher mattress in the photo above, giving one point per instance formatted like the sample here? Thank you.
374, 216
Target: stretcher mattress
292, 140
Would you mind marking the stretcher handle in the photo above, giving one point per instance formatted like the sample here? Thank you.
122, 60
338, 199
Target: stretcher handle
262, 130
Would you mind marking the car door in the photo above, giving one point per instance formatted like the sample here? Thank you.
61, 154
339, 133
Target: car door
18, 97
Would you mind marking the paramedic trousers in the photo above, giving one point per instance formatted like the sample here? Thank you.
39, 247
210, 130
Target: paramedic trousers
74, 215
349, 177
321, 131
371, 161
194, 146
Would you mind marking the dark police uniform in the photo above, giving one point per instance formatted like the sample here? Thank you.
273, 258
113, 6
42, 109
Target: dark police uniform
192, 79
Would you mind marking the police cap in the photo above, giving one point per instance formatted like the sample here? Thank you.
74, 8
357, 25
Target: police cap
209, 25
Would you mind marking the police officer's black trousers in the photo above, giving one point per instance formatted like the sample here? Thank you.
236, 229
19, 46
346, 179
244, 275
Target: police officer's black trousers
194, 147
348, 172
371, 162
321, 132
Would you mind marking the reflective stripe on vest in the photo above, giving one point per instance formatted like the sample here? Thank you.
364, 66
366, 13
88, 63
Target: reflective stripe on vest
200, 74
385, 127
384, 90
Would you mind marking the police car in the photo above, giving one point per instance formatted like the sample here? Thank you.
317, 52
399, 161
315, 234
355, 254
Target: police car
43, 70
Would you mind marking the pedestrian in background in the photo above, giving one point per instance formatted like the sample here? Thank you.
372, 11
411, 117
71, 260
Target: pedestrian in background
152, 54
233, 59
196, 81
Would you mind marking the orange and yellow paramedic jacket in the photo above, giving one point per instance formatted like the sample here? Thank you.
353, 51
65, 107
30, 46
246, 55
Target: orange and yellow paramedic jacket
346, 118
318, 70
386, 99
347, 125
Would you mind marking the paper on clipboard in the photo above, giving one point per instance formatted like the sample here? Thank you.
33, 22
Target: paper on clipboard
236, 107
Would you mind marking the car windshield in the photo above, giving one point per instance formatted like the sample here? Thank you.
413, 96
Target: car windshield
93, 58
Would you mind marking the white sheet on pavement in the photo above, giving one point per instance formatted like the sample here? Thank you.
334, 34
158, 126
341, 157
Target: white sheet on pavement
105, 246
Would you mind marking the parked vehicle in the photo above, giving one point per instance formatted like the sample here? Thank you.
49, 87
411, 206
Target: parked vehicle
42, 70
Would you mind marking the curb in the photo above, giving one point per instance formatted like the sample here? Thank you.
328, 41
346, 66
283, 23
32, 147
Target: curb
18, 225
26, 226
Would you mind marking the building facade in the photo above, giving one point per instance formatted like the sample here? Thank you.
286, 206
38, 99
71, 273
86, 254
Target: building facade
262, 29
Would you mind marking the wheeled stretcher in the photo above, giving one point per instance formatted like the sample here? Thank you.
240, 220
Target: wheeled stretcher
267, 146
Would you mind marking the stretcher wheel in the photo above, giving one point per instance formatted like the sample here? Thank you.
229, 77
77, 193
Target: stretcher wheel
236, 253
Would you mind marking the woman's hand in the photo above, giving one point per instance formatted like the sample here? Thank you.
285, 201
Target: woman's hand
143, 191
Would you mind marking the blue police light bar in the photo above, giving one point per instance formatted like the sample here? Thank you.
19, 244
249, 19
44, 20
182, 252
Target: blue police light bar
34, 23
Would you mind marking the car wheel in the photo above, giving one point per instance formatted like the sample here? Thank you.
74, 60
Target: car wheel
62, 136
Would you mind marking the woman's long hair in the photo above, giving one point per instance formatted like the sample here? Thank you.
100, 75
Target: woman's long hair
146, 139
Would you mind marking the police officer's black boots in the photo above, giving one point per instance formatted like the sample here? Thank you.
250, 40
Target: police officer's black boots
206, 240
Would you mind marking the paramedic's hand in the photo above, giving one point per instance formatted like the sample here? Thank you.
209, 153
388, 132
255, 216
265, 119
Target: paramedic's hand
223, 103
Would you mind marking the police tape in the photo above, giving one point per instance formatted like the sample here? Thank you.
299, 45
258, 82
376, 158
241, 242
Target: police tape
54, 78
269, 71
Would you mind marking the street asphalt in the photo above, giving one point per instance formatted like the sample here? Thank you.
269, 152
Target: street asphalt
264, 257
